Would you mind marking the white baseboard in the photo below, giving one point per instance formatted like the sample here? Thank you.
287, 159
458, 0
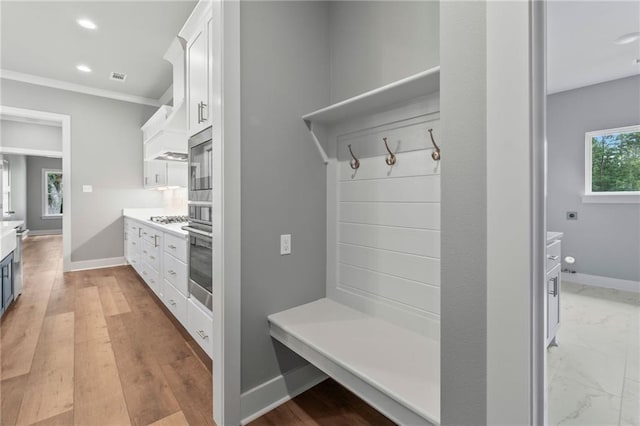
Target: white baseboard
97, 263
598, 281
269, 395
35, 232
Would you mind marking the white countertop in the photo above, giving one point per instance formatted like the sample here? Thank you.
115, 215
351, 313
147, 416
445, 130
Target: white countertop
143, 215
551, 236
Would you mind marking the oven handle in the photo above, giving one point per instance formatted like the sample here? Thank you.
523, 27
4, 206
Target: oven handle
198, 232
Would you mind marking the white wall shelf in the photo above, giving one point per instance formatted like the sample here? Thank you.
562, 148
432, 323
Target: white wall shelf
420, 84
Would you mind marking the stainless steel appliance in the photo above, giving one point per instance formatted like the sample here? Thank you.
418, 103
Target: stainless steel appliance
17, 261
200, 217
201, 166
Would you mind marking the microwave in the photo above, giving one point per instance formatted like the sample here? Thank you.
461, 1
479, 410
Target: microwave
201, 167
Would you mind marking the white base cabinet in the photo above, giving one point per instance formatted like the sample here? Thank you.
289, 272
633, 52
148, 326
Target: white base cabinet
160, 258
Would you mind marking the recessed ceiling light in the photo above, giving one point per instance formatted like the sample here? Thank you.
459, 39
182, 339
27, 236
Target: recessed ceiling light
628, 38
87, 23
83, 68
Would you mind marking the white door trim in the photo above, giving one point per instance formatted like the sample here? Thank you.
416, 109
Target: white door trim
226, 242
29, 151
65, 122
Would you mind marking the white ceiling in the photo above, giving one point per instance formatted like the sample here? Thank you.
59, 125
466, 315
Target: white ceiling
43, 39
580, 42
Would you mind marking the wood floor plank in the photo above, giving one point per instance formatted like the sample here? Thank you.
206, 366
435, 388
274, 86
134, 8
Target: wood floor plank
176, 419
113, 301
49, 390
149, 397
192, 389
90, 319
11, 394
99, 398
64, 419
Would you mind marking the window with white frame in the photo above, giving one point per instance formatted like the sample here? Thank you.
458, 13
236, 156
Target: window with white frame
51, 193
613, 162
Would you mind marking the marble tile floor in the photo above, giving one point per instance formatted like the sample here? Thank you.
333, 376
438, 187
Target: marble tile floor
593, 374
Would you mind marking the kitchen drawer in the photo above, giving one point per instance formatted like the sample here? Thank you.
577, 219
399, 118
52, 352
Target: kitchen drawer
133, 246
176, 246
200, 326
152, 235
151, 255
176, 302
175, 272
136, 262
553, 255
152, 278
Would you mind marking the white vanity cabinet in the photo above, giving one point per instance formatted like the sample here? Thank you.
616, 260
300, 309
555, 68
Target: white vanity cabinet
552, 286
198, 32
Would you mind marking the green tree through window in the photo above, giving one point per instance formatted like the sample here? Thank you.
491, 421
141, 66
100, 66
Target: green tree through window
615, 162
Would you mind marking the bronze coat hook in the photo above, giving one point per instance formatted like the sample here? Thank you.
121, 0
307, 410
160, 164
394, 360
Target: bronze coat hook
354, 163
435, 154
391, 159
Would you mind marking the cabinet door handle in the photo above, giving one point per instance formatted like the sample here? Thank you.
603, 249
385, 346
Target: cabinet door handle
172, 247
551, 257
155, 240
172, 302
201, 109
139, 232
146, 180
202, 334
157, 177
554, 291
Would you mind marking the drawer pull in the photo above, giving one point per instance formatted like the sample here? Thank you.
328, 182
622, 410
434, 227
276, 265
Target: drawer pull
172, 302
133, 242
551, 257
171, 272
172, 247
144, 272
152, 258
144, 251
202, 334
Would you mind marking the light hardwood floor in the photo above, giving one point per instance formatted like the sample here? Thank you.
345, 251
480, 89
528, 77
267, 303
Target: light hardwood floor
96, 348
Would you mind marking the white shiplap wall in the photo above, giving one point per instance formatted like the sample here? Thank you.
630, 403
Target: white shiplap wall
387, 224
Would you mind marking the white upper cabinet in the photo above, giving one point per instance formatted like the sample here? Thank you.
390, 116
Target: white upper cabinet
197, 33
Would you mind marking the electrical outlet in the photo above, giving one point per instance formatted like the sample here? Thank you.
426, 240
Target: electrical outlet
87, 188
572, 215
285, 244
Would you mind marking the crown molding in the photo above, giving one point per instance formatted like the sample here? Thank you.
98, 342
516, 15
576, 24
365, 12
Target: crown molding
72, 87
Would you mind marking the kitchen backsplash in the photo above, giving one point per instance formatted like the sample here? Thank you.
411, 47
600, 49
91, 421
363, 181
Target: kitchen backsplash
175, 200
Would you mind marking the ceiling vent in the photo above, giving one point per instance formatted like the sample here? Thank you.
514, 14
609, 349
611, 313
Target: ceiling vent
118, 76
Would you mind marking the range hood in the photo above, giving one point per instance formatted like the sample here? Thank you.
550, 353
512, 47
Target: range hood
165, 133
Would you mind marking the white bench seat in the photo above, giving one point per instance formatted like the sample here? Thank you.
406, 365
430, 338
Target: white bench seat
395, 370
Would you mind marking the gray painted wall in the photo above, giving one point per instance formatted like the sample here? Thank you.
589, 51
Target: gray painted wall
605, 239
296, 57
18, 170
35, 222
106, 152
463, 100
285, 73
16, 134
377, 42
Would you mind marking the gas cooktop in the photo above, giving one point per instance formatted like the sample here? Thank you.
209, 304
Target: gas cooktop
166, 220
